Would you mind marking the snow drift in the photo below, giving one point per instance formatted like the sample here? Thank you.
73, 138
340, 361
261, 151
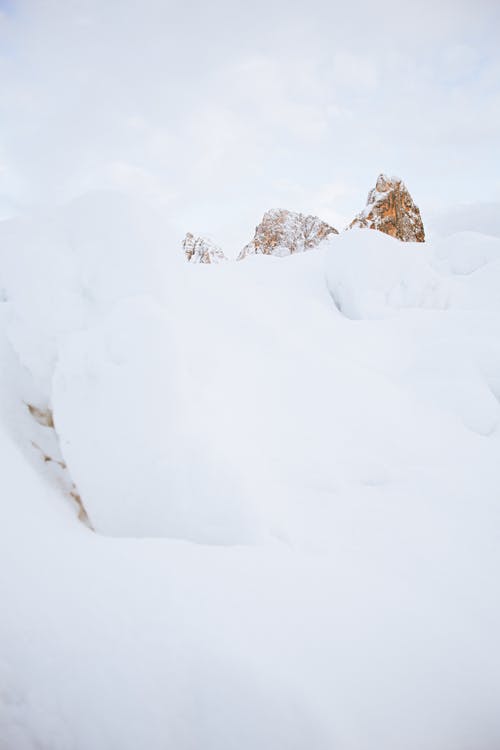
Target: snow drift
291, 466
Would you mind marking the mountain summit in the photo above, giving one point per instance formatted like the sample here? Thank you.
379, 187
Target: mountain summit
201, 250
390, 209
283, 232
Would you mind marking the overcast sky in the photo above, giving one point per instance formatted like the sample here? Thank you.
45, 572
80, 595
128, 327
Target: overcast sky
220, 110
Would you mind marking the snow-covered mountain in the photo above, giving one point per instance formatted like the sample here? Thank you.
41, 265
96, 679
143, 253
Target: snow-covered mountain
287, 472
201, 250
390, 209
283, 232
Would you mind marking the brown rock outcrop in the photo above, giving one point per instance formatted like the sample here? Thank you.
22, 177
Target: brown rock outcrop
284, 232
390, 209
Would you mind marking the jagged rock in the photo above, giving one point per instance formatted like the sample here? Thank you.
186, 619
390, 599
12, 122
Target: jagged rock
390, 209
201, 250
284, 232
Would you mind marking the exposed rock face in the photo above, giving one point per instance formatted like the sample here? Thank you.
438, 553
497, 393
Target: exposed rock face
201, 250
284, 232
48, 450
390, 209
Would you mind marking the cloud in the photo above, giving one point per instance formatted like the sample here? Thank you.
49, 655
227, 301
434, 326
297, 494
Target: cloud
354, 72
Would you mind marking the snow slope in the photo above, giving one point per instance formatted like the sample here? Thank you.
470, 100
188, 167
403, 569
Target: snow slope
291, 466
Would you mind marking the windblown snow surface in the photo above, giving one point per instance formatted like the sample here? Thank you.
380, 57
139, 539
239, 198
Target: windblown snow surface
292, 466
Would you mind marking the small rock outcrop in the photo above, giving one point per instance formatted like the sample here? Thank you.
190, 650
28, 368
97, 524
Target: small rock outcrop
390, 209
284, 232
46, 444
201, 250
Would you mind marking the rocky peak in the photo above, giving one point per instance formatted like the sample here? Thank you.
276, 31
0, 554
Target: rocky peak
390, 209
284, 232
201, 250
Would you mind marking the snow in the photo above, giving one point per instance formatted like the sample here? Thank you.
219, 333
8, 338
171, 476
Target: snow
291, 466
374, 276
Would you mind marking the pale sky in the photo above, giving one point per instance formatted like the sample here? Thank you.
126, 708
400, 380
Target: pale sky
220, 110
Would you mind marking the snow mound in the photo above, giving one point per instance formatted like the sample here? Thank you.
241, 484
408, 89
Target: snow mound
129, 450
61, 272
465, 252
371, 276
316, 453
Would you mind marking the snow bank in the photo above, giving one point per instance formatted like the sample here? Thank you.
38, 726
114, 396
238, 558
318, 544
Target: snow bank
371, 275
331, 447
60, 272
129, 449
444, 309
465, 252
